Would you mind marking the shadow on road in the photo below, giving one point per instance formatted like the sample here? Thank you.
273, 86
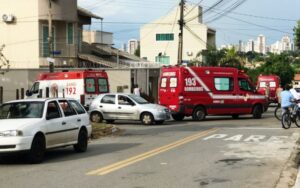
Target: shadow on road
68, 154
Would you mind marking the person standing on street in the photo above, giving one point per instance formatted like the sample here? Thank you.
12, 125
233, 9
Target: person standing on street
137, 90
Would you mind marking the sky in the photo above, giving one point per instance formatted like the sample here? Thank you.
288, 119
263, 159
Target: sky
271, 18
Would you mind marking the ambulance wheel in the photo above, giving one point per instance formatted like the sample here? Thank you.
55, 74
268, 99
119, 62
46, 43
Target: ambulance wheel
178, 117
257, 112
235, 116
96, 117
199, 113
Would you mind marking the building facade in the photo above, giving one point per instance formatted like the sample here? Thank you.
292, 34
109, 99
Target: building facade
159, 41
26, 37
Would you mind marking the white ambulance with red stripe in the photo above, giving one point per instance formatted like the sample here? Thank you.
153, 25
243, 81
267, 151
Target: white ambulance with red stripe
83, 85
201, 91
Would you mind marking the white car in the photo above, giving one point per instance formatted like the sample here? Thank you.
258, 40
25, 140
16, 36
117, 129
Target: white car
120, 106
35, 125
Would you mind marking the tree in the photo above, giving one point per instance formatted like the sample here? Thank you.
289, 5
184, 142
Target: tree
137, 52
279, 65
297, 34
232, 59
211, 56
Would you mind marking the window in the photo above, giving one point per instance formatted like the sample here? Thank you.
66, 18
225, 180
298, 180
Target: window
163, 83
67, 109
53, 110
272, 84
223, 84
245, 85
70, 33
103, 86
35, 87
163, 60
165, 37
173, 82
45, 35
123, 100
21, 110
262, 84
79, 109
90, 85
108, 99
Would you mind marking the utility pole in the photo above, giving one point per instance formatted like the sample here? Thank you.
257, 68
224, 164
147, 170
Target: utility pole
180, 35
50, 37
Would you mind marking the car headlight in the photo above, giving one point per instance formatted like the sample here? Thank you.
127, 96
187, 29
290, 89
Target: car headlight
11, 133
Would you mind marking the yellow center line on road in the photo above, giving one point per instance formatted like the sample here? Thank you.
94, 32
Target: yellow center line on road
121, 164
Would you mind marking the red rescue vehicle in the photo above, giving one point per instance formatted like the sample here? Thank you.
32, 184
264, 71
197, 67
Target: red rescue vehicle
201, 91
268, 85
82, 85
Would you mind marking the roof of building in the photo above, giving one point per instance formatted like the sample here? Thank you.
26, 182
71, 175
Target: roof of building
297, 77
84, 12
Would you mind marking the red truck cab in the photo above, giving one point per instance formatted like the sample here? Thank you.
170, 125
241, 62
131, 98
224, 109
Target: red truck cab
201, 91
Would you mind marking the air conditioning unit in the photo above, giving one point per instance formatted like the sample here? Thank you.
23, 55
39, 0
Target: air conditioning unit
8, 18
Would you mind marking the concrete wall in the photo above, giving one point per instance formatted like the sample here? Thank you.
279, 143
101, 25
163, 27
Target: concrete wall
65, 10
96, 36
121, 80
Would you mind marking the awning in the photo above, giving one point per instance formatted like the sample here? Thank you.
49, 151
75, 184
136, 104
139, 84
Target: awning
84, 12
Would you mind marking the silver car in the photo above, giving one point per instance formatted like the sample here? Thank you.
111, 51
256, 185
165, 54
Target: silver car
120, 106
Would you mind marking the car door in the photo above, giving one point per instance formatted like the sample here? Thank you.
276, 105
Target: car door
55, 125
126, 108
108, 106
71, 118
245, 92
82, 116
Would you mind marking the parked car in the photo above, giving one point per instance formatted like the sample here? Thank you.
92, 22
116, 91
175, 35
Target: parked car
120, 106
35, 125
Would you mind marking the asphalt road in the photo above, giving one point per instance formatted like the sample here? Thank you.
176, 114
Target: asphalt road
218, 152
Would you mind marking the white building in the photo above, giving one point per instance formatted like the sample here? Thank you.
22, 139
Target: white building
285, 44
249, 46
132, 46
159, 39
99, 37
260, 45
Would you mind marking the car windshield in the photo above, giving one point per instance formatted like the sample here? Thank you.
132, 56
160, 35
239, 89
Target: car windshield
138, 99
19, 110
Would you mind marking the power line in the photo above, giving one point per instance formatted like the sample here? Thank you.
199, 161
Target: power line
228, 10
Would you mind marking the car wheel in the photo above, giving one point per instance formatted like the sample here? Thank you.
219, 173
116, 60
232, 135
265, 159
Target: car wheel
159, 122
37, 150
178, 117
147, 118
199, 114
257, 112
82, 141
109, 121
96, 117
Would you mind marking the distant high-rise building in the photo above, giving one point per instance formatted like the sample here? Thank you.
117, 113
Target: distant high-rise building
285, 44
132, 46
250, 46
261, 44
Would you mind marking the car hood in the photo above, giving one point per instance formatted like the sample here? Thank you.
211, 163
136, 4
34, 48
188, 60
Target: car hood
16, 124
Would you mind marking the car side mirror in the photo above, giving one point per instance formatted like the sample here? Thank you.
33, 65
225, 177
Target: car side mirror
28, 93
